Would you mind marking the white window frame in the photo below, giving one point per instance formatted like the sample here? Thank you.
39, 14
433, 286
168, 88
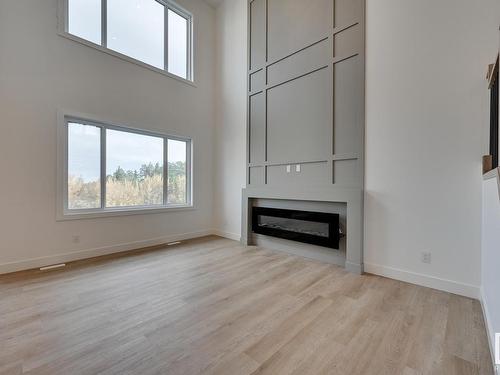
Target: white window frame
64, 213
63, 31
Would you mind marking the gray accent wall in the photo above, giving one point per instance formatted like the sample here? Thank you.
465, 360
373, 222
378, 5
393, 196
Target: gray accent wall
306, 98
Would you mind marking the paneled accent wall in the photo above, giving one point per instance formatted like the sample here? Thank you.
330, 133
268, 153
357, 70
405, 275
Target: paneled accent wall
306, 115
306, 93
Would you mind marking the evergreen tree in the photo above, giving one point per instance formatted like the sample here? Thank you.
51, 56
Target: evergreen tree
119, 174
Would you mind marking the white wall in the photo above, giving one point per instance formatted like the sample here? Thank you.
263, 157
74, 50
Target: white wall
490, 275
40, 72
426, 106
230, 136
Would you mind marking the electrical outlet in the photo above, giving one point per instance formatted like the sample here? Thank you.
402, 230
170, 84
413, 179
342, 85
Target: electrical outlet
426, 257
288, 168
297, 168
76, 239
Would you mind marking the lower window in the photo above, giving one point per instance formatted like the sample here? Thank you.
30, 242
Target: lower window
111, 168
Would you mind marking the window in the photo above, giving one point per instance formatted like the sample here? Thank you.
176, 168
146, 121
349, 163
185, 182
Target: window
176, 172
84, 166
134, 169
84, 19
152, 32
177, 44
136, 29
115, 169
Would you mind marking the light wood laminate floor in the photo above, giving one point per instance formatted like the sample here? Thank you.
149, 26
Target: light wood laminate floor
211, 306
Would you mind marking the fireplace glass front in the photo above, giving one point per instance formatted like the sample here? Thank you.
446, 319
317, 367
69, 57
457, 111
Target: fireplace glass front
317, 228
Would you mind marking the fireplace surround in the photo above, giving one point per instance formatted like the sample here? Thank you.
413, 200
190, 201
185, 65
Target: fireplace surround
348, 203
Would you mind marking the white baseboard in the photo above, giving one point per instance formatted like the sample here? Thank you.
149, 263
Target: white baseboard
462, 289
95, 252
487, 322
228, 235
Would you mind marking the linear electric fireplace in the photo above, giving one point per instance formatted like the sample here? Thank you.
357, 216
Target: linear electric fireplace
316, 228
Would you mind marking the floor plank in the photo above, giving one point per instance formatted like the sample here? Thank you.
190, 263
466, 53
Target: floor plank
211, 306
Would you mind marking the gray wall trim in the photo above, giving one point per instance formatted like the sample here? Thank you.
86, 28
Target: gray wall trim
337, 60
270, 87
334, 31
354, 268
340, 157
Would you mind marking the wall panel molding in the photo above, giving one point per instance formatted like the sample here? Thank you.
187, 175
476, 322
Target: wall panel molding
307, 62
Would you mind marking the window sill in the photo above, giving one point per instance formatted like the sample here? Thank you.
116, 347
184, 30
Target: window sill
112, 212
108, 51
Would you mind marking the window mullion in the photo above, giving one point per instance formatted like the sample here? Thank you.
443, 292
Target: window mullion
104, 23
66, 165
103, 167
66, 15
189, 173
165, 171
188, 48
165, 38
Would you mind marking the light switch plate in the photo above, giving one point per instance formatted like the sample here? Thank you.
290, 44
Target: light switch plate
297, 168
288, 168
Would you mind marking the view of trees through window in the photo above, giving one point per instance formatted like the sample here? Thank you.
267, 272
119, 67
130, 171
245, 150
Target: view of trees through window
134, 169
143, 187
84, 166
176, 172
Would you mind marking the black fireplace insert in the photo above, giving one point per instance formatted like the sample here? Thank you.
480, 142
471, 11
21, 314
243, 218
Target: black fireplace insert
316, 228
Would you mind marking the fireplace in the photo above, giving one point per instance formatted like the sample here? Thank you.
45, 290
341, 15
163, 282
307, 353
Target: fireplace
316, 228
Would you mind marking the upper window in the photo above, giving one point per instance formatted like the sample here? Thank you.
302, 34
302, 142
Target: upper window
110, 168
154, 32
84, 19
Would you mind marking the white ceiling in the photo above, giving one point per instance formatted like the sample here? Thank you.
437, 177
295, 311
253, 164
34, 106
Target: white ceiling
214, 3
